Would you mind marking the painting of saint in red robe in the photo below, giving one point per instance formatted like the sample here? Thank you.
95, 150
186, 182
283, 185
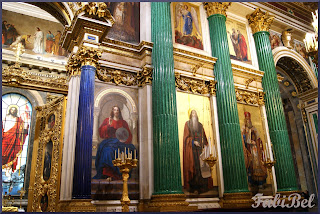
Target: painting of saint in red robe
14, 133
194, 140
117, 136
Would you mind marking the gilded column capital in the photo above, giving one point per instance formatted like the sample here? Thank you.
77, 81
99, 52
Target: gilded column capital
260, 21
216, 8
84, 56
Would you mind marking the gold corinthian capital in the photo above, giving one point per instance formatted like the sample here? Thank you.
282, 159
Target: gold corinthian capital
84, 56
260, 21
216, 8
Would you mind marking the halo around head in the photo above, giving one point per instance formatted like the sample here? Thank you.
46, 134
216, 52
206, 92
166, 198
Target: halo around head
13, 105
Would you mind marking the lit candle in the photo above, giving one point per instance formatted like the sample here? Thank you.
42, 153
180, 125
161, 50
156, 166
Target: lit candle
131, 154
118, 153
115, 154
135, 154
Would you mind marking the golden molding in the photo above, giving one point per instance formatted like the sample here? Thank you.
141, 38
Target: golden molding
44, 134
15, 76
195, 86
187, 54
259, 21
216, 8
248, 81
241, 69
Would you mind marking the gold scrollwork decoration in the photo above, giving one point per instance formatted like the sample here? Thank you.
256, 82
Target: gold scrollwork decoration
216, 8
16, 76
260, 21
144, 76
95, 8
212, 87
195, 68
194, 85
38, 186
116, 76
246, 97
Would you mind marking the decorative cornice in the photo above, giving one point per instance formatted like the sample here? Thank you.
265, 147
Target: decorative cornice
84, 56
117, 77
144, 76
260, 21
195, 86
17, 77
216, 8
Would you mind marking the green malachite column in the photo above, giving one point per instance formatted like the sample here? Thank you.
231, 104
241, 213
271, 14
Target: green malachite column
233, 164
285, 174
167, 174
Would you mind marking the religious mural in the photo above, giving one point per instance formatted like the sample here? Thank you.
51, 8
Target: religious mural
254, 148
127, 21
275, 40
117, 132
187, 25
16, 119
238, 41
42, 39
47, 161
196, 142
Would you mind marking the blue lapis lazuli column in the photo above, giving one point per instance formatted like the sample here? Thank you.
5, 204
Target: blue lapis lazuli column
83, 150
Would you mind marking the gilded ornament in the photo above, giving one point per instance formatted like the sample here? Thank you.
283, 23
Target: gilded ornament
17, 77
286, 38
260, 21
216, 8
117, 77
144, 76
38, 186
286, 83
195, 86
96, 9
195, 68
212, 87
248, 81
84, 56
261, 98
247, 97
294, 94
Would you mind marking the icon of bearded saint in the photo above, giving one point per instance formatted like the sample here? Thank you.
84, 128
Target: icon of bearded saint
253, 153
194, 140
14, 133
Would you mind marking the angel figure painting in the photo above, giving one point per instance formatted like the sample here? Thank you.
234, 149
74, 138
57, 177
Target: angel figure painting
187, 28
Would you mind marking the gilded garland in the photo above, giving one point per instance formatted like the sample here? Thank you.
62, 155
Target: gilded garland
195, 86
96, 9
252, 98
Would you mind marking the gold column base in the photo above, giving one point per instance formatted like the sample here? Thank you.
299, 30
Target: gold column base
9, 209
237, 200
76, 205
167, 203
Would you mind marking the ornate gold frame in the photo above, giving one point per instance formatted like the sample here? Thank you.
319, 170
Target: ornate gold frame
38, 186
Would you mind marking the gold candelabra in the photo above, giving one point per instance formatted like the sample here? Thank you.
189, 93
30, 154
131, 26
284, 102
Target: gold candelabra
268, 163
211, 161
22, 192
125, 162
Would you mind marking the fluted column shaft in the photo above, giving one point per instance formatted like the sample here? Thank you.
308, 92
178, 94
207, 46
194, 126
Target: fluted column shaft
83, 151
286, 179
167, 173
234, 171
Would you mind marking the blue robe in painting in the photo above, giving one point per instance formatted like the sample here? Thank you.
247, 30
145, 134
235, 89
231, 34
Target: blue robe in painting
105, 155
187, 27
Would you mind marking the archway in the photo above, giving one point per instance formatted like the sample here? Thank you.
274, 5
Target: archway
298, 77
